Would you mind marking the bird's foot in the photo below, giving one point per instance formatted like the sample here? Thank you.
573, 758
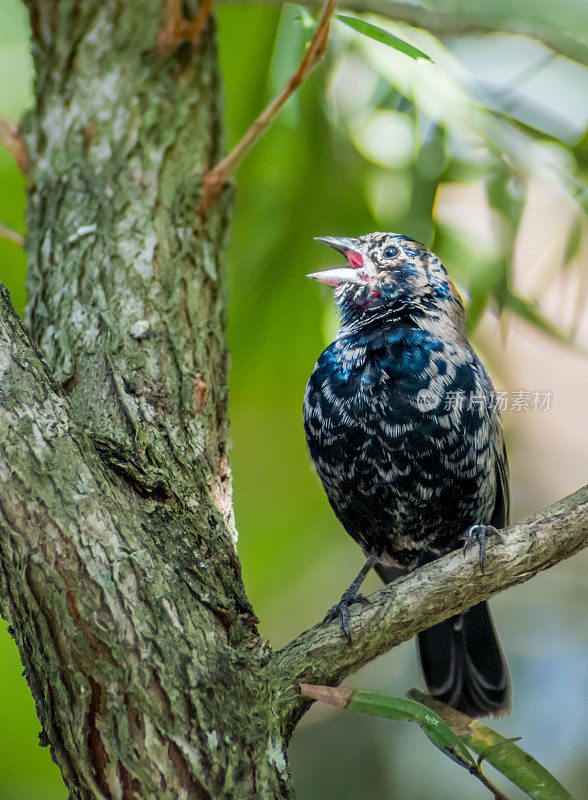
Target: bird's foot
478, 534
341, 609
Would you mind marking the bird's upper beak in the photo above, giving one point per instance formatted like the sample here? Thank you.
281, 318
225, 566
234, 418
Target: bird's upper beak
337, 275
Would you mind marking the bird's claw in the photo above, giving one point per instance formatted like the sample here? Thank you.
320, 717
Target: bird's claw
341, 610
478, 534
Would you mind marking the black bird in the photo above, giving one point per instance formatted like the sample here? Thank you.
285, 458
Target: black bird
404, 431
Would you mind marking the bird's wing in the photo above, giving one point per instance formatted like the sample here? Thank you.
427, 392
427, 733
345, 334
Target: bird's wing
501, 512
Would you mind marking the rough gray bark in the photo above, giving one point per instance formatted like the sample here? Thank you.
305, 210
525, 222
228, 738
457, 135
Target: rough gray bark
120, 575
118, 569
127, 611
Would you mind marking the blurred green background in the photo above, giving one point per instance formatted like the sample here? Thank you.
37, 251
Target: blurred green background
481, 154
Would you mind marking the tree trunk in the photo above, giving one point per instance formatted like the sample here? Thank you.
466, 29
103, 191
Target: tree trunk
121, 579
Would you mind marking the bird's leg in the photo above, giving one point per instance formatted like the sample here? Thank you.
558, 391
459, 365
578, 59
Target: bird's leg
478, 534
352, 595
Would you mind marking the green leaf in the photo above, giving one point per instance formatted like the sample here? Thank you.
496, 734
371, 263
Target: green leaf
503, 754
574, 241
380, 35
308, 22
399, 708
513, 762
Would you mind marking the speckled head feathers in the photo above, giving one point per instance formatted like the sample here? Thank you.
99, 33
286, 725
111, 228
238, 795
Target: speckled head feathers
390, 276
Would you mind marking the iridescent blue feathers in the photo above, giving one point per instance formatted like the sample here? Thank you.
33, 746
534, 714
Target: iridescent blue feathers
401, 421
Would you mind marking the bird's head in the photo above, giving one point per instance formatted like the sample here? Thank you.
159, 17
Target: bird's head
391, 278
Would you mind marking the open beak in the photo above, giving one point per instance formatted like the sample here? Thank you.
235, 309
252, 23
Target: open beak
337, 275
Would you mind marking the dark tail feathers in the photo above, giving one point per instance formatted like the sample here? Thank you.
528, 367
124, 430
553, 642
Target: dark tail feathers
464, 666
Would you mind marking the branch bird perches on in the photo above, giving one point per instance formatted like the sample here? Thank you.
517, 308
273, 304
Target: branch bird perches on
400, 610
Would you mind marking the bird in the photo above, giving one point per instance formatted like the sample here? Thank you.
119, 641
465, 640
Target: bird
405, 433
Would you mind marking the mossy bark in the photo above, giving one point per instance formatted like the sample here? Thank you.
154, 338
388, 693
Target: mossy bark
120, 576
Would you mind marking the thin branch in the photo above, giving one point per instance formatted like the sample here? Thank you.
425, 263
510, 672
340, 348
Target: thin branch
176, 29
476, 771
13, 142
214, 180
427, 596
15, 237
442, 24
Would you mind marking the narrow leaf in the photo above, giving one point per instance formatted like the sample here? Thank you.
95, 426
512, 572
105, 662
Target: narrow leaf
380, 35
574, 241
517, 765
403, 709
398, 708
513, 762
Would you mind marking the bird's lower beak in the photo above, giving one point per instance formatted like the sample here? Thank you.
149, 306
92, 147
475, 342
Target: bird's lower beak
337, 275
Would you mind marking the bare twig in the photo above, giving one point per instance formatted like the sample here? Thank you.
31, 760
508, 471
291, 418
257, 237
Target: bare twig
427, 596
15, 237
176, 29
327, 694
13, 142
214, 180
476, 771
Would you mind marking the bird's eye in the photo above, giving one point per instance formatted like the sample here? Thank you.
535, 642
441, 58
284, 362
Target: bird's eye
390, 252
